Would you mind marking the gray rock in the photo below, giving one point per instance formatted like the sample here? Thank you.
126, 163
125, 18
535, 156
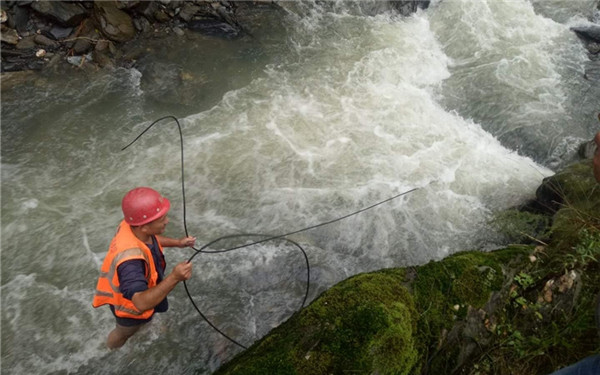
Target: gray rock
148, 8
589, 33
214, 28
593, 47
60, 32
161, 16
27, 42
102, 46
406, 8
102, 59
9, 35
79, 60
18, 17
127, 4
66, 14
86, 38
142, 24
114, 23
188, 11
82, 46
45, 41
178, 31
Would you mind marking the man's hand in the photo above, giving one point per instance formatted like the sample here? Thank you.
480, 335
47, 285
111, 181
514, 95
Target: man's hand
182, 271
187, 241
149, 298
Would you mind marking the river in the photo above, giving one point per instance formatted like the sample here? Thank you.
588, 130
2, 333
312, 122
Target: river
327, 109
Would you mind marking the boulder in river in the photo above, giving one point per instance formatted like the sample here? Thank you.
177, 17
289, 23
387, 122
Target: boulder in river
588, 33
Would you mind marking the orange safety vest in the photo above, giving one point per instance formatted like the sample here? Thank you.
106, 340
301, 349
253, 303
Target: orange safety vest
123, 247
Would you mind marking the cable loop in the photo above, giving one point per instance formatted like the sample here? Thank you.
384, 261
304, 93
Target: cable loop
268, 237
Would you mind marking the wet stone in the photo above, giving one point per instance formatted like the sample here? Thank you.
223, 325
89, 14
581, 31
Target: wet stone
43, 40
67, 14
9, 35
214, 28
59, 32
26, 43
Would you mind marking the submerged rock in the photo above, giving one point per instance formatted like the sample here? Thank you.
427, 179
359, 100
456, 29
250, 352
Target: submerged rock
590, 32
407, 8
214, 28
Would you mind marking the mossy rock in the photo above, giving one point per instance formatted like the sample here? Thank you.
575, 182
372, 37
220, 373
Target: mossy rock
578, 195
572, 186
518, 226
366, 324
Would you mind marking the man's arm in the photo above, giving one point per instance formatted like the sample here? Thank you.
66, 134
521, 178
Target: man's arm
174, 242
151, 297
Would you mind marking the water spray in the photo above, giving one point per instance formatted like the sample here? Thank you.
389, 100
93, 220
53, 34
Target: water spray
265, 237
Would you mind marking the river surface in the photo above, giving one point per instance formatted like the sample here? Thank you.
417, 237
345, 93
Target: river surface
325, 110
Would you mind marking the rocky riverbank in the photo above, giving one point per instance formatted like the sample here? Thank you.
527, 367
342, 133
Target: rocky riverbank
38, 34
104, 34
101, 34
525, 309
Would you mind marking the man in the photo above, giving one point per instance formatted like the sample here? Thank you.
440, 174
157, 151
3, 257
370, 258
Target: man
132, 280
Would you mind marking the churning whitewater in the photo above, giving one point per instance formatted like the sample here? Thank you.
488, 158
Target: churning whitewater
471, 102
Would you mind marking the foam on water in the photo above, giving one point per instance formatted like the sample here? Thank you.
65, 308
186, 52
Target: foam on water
381, 102
355, 109
517, 73
46, 329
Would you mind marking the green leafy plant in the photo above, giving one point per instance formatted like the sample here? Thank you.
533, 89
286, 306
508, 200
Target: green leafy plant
587, 249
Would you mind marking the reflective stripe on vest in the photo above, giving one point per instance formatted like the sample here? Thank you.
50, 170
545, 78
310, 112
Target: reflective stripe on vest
129, 253
124, 246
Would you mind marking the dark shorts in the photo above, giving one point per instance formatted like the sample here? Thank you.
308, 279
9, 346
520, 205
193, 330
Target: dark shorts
128, 322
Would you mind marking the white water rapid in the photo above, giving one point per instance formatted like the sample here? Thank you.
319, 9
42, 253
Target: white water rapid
473, 102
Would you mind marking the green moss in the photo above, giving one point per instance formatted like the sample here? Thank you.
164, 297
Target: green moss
393, 350
576, 184
464, 278
364, 324
474, 285
521, 227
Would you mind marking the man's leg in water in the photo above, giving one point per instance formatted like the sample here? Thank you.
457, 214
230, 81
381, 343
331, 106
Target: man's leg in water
118, 336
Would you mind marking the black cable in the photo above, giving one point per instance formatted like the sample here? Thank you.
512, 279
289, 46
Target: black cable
182, 172
269, 238
247, 235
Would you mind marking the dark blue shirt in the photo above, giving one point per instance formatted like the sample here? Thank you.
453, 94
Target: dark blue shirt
132, 275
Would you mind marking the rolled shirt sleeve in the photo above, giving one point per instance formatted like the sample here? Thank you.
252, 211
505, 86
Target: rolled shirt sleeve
132, 277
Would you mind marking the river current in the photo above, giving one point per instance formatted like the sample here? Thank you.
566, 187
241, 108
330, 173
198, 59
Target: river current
325, 110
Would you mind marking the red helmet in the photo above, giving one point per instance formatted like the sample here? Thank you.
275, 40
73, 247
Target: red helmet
143, 205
